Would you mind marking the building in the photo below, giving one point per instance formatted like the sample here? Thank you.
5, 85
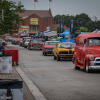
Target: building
38, 21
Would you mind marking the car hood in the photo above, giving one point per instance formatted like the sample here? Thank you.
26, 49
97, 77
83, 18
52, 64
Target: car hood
94, 50
49, 46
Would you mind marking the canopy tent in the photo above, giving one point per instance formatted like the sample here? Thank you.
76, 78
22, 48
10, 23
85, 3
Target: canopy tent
66, 33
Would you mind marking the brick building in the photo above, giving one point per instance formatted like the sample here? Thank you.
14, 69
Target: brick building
44, 19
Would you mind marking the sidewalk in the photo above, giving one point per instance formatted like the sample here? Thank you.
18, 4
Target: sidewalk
26, 93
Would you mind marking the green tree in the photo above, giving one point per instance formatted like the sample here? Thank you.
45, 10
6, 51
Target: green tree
92, 25
11, 19
82, 29
81, 20
57, 29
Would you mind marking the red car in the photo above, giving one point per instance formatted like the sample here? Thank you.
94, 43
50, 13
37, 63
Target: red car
16, 41
35, 44
48, 47
20, 42
87, 51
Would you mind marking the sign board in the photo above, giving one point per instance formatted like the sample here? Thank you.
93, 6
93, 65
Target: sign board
24, 30
34, 21
71, 27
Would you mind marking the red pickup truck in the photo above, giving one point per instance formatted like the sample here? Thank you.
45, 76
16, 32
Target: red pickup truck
48, 46
87, 51
35, 44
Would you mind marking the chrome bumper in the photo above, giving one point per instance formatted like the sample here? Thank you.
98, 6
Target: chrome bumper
94, 65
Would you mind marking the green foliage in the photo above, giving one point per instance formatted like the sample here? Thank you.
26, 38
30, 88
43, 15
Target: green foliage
57, 29
82, 29
11, 19
92, 25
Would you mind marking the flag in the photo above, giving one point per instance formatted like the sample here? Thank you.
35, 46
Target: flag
35, 0
96, 18
68, 15
50, 0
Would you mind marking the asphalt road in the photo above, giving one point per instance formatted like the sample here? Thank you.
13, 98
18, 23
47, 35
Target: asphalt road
58, 80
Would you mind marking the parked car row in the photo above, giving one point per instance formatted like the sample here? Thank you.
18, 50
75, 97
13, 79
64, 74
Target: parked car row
84, 53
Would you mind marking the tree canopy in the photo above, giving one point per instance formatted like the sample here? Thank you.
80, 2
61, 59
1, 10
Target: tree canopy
81, 20
11, 18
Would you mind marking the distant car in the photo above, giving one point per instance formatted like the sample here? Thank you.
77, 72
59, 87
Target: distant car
20, 42
23, 40
48, 47
12, 41
63, 50
26, 43
7, 38
16, 41
35, 44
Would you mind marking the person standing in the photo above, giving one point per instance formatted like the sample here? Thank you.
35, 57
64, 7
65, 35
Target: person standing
2, 47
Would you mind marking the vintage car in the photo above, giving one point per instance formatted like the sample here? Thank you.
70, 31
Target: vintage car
87, 51
48, 47
20, 42
24, 39
26, 43
63, 50
35, 44
7, 38
16, 41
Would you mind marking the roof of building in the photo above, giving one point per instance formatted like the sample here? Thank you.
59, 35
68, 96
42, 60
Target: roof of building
53, 27
40, 13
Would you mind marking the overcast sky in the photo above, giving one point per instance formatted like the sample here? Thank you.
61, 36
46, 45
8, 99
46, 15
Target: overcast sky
72, 7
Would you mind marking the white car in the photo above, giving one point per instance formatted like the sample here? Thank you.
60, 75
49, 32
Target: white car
26, 43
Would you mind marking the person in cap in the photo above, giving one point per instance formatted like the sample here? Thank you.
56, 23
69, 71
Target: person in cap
2, 47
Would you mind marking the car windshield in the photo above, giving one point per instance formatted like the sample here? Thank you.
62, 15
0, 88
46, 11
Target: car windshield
40, 41
27, 40
66, 45
34, 41
51, 43
17, 39
94, 41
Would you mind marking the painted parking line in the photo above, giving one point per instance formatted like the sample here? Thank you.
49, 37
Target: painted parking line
32, 87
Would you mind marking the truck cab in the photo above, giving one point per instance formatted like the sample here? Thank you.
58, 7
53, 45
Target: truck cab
87, 52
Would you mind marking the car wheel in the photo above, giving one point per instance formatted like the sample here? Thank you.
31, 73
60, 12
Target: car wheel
87, 68
75, 65
54, 57
45, 54
58, 58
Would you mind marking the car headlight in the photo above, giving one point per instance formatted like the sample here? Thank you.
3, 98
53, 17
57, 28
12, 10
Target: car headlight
91, 57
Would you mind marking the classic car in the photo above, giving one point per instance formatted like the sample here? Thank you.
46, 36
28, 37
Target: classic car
7, 38
87, 51
12, 41
20, 42
63, 50
23, 40
26, 43
16, 41
48, 47
35, 44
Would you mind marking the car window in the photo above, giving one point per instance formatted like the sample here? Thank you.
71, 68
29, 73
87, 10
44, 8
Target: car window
40, 41
51, 43
35, 41
85, 43
94, 41
66, 45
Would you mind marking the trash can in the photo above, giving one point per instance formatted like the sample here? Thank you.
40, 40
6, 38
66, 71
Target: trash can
6, 64
11, 89
15, 56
